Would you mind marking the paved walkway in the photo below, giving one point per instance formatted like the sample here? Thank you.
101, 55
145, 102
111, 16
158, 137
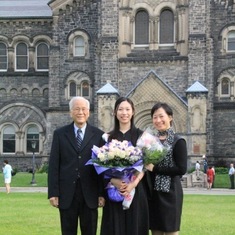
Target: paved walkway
199, 191
26, 189
214, 191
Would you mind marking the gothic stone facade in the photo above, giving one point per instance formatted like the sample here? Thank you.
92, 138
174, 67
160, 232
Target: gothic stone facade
151, 50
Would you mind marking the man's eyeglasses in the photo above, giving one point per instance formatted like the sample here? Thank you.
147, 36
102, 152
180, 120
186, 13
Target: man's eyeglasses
77, 110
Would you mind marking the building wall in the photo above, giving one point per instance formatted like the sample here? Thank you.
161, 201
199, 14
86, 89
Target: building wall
224, 63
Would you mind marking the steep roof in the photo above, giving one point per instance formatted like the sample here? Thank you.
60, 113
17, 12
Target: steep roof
25, 9
197, 87
107, 89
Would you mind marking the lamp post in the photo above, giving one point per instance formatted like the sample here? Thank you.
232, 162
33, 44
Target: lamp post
33, 144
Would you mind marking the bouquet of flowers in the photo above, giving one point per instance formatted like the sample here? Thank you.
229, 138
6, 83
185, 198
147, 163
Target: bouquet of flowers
117, 160
152, 148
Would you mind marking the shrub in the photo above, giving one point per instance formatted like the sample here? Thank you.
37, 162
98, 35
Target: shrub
43, 168
221, 170
221, 163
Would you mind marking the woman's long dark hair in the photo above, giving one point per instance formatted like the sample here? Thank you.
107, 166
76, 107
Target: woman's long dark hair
114, 133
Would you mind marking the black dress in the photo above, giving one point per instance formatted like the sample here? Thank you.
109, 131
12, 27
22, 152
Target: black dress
165, 208
133, 221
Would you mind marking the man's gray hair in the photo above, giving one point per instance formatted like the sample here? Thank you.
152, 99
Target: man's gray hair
71, 102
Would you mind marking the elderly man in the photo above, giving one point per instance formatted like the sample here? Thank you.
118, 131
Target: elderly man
74, 187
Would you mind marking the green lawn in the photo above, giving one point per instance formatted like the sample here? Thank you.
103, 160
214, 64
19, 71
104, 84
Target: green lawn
206, 215
24, 179
30, 213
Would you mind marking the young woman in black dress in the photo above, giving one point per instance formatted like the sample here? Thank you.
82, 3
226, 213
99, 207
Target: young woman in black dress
165, 206
116, 220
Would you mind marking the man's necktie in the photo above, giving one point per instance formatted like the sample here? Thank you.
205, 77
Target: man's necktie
79, 138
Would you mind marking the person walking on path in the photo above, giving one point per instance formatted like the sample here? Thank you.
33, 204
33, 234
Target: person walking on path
73, 187
231, 175
210, 177
7, 169
213, 183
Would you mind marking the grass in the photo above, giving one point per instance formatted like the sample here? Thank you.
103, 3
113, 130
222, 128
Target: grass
206, 215
30, 213
222, 181
27, 213
24, 179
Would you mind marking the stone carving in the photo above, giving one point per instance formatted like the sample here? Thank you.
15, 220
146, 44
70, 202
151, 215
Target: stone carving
197, 120
106, 118
198, 179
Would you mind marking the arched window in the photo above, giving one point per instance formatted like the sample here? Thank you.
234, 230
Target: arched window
3, 92
72, 89
42, 51
3, 57
79, 46
231, 41
225, 85
9, 143
45, 92
85, 89
32, 143
142, 28
21, 57
166, 27
35, 92
24, 92
78, 83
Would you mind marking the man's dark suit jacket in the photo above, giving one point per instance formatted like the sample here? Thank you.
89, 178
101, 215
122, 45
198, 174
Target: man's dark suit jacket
66, 163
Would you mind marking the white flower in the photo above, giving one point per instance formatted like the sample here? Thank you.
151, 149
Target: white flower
102, 157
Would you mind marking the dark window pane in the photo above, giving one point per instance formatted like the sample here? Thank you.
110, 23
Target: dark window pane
166, 27
42, 49
3, 56
231, 46
42, 56
21, 63
225, 87
21, 57
142, 28
72, 89
43, 63
21, 49
9, 146
3, 59
9, 140
85, 89
2, 48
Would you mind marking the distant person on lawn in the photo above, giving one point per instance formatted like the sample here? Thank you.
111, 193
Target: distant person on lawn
7, 169
231, 175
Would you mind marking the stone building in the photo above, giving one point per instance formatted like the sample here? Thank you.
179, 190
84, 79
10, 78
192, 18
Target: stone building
179, 51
